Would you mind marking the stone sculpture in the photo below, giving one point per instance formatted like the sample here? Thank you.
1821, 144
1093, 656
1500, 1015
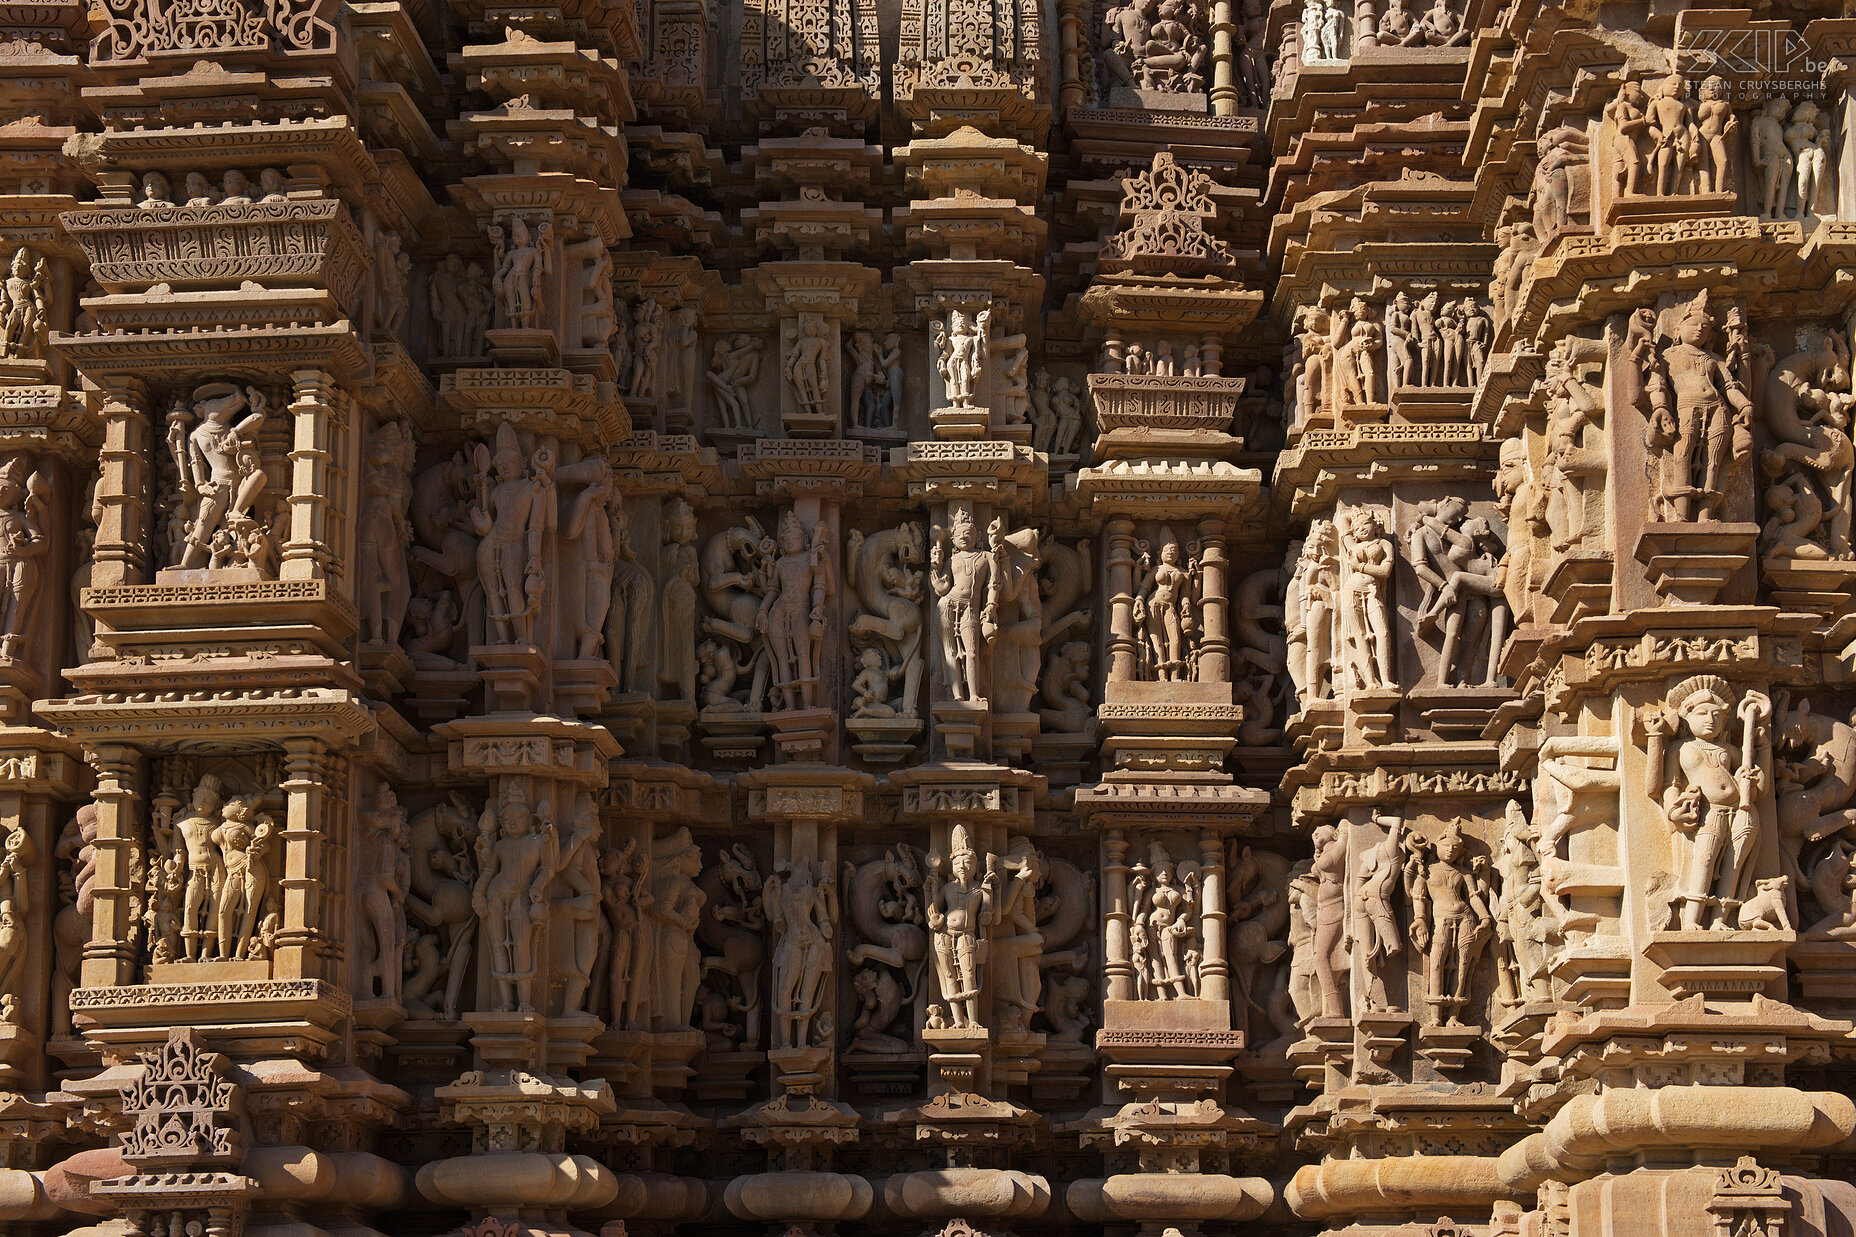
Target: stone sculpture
962, 906
220, 475
1696, 398
1712, 791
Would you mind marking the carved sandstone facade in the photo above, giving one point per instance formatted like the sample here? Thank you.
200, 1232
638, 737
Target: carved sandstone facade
926, 618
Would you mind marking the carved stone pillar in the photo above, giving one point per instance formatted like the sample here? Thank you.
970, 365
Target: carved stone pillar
1117, 970
310, 859
112, 956
1118, 575
121, 552
1215, 641
1225, 95
316, 422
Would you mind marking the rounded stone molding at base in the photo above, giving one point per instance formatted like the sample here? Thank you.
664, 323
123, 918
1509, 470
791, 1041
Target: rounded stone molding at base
519, 1179
1417, 1184
1169, 1197
1000, 1193
797, 1197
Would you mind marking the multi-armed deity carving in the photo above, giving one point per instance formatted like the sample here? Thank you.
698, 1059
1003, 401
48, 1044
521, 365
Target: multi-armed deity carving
1458, 561
1451, 919
518, 854
802, 907
966, 583
24, 307
514, 511
798, 580
962, 902
1700, 413
1715, 794
962, 347
521, 260
219, 475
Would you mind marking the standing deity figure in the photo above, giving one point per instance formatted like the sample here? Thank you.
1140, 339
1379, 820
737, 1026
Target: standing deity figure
520, 268
1166, 612
868, 383
512, 518
1167, 901
1673, 135
676, 913
205, 869
386, 875
960, 910
792, 613
383, 532
245, 874
590, 521
1697, 403
808, 365
1715, 794
1450, 920
1719, 127
624, 894
23, 311
802, 905
1772, 158
1366, 584
1309, 612
216, 460
1629, 117
575, 907
25, 523
1520, 914
516, 860
1330, 873
966, 584
960, 349
445, 300
1066, 404
647, 349
1375, 922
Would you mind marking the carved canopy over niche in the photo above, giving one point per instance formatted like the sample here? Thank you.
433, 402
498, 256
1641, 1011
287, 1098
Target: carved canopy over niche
819, 55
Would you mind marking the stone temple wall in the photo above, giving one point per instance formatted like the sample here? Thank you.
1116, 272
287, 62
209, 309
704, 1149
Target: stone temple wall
942, 618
